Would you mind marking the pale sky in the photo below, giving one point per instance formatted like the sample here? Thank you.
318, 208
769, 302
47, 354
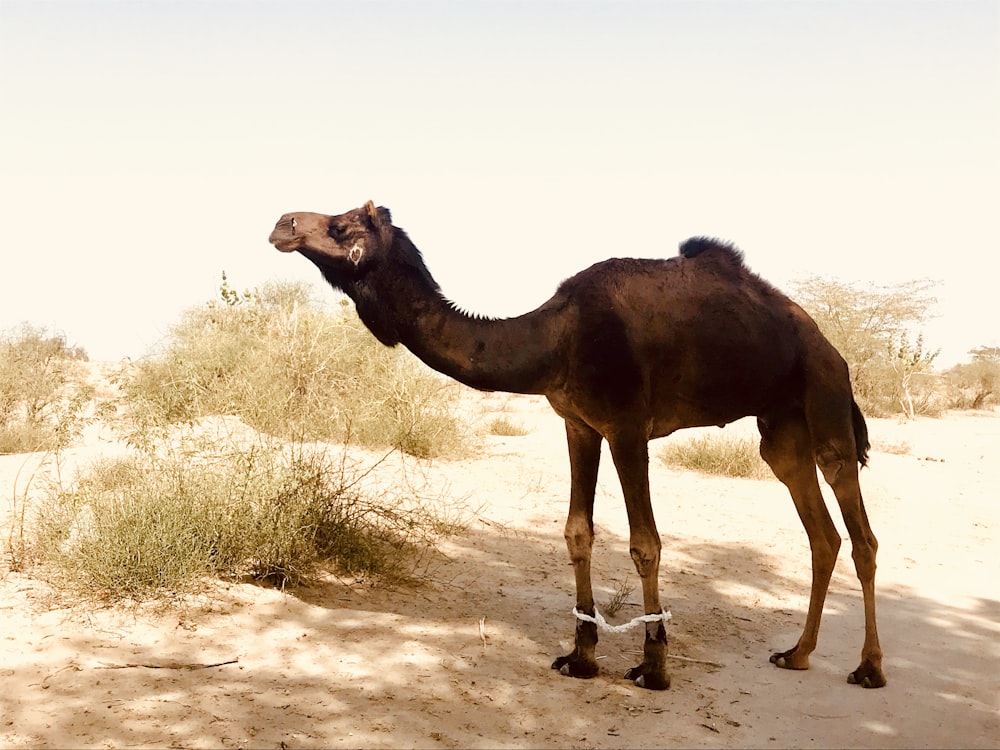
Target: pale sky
146, 147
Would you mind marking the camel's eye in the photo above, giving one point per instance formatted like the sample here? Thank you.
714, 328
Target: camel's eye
294, 224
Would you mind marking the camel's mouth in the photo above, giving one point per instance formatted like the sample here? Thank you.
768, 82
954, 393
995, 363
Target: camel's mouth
283, 235
284, 244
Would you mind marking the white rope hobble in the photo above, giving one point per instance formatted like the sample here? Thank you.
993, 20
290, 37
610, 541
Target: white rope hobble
598, 619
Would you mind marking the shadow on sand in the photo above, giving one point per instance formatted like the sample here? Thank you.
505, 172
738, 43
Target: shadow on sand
410, 667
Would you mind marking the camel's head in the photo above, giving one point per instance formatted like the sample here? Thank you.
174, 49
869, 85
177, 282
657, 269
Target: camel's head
339, 245
362, 254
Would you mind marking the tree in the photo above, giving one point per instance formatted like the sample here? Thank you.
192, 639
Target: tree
876, 329
986, 354
972, 385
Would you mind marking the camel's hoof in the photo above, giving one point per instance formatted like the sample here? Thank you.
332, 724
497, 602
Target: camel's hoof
647, 678
790, 660
572, 666
867, 676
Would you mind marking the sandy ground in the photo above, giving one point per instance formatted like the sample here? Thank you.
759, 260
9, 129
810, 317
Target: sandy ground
335, 665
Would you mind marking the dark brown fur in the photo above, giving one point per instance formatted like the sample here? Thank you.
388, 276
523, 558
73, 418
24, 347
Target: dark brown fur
626, 351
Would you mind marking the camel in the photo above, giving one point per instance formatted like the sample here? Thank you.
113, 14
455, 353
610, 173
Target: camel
626, 351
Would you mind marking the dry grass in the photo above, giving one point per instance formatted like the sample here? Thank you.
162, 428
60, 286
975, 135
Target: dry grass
721, 455
899, 448
504, 426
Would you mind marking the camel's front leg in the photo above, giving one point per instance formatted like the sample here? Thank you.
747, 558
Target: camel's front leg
632, 461
584, 459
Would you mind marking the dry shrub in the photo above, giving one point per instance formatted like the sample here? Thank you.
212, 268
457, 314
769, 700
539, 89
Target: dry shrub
157, 523
42, 392
265, 501
619, 597
973, 385
290, 368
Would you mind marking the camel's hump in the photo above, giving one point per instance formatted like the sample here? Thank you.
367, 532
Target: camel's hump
727, 251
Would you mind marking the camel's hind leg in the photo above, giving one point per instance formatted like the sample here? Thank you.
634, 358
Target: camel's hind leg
841, 473
786, 446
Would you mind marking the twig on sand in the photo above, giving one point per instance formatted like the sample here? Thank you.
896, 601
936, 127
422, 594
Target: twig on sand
695, 661
169, 665
687, 659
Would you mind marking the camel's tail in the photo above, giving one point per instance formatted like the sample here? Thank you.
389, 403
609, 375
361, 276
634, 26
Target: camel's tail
860, 433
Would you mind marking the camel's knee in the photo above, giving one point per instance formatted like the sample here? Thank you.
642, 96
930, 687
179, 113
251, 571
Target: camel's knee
831, 463
772, 456
824, 552
645, 552
863, 554
579, 536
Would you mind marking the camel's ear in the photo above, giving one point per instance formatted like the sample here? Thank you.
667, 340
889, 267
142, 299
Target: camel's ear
381, 220
378, 215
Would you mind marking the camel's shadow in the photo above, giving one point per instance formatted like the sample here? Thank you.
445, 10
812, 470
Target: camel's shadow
943, 662
389, 666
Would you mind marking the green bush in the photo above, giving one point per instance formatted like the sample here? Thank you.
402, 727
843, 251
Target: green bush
722, 455
288, 367
158, 523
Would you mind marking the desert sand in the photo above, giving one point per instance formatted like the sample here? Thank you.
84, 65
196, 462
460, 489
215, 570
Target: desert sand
463, 661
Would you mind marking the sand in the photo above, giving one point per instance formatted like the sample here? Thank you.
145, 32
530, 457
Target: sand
463, 661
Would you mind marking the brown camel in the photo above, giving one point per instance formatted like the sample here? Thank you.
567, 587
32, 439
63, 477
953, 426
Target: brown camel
627, 351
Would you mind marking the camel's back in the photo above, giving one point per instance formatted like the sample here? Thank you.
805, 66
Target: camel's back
699, 328
707, 284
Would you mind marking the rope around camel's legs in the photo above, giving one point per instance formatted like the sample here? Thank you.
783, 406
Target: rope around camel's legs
599, 620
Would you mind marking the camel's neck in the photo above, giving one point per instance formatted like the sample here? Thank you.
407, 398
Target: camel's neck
401, 303
494, 355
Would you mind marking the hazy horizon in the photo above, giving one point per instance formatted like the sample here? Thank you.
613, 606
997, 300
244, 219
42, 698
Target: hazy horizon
148, 147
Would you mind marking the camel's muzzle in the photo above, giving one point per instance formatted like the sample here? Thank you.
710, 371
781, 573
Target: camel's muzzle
283, 235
